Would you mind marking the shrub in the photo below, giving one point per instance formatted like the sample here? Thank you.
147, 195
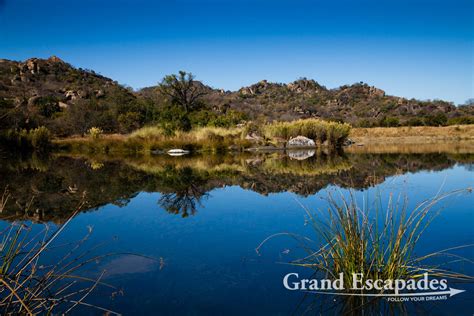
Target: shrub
201, 118
173, 119
95, 132
439, 119
461, 120
47, 106
229, 119
389, 122
129, 121
414, 121
40, 138
365, 123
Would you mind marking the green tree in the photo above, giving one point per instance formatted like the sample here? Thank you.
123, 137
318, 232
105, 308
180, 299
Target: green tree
182, 90
438, 119
173, 118
389, 122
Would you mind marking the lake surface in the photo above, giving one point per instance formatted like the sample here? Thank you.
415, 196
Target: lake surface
195, 222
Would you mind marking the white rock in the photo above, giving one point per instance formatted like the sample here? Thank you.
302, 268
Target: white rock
301, 141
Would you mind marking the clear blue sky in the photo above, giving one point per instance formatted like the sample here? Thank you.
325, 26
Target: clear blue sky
421, 49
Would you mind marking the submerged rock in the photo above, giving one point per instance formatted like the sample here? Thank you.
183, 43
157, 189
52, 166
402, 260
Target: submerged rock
301, 141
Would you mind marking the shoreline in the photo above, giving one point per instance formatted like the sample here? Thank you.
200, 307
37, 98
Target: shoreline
378, 139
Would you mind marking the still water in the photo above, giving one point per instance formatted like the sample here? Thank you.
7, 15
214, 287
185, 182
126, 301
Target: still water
181, 233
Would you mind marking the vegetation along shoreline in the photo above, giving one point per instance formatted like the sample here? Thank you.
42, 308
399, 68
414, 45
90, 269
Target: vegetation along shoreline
47, 104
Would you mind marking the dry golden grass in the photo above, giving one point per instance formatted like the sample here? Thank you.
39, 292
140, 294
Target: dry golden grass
419, 139
197, 134
442, 146
453, 132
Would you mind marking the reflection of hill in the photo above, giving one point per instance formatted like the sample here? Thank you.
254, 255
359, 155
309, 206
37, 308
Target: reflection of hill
49, 189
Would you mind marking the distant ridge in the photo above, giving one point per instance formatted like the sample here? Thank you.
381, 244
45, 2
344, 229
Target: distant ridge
68, 100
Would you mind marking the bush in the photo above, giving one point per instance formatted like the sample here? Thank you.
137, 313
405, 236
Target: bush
201, 118
365, 123
462, 120
414, 121
173, 119
439, 119
40, 138
229, 119
95, 132
389, 122
47, 106
129, 121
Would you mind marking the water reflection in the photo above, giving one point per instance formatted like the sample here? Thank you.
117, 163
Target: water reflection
187, 190
234, 210
49, 187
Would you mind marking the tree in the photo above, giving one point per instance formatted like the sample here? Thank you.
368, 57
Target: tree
438, 119
182, 90
389, 122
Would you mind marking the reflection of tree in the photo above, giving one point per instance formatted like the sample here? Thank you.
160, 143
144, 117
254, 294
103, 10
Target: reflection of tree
59, 183
186, 191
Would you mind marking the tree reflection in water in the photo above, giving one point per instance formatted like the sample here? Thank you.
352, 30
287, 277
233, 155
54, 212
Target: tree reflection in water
187, 191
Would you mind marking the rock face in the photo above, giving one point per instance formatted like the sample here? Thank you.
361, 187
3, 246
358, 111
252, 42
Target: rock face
301, 141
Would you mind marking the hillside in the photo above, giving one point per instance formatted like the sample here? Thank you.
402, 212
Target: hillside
358, 104
67, 100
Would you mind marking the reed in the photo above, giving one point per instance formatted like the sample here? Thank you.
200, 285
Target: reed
316, 129
377, 241
29, 287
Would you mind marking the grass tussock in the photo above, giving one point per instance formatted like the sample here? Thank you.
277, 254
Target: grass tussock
148, 139
28, 286
377, 241
209, 139
318, 130
38, 139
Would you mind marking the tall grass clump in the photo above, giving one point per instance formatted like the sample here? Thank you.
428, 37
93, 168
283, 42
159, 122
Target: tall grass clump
377, 241
201, 139
95, 132
28, 286
318, 130
37, 139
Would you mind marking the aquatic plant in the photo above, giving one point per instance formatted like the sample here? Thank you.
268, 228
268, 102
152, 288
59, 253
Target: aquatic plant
370, 239
29, 287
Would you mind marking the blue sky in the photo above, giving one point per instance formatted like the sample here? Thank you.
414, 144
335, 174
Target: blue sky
419, 48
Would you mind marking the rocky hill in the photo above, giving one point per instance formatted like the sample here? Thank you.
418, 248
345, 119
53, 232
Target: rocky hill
359, 104
68, 100
53, 93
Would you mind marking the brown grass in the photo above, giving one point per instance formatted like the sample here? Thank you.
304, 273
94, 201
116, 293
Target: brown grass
413, 135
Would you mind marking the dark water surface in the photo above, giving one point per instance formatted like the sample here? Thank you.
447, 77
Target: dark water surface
201, 218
